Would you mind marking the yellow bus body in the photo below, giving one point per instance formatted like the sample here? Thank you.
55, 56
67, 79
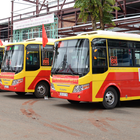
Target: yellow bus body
28, 80
121, 77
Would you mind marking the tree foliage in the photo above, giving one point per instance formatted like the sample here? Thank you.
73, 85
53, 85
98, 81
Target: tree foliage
98, 10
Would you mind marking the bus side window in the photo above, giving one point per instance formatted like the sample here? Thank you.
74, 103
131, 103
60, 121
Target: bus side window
120, 53
99, 56
137, 57
120, 57
32, 57
47, 55
47, 58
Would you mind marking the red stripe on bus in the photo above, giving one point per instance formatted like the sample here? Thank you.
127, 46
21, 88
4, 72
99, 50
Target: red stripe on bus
42, 75
127, 83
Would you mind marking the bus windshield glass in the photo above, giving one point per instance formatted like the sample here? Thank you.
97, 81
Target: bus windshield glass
71, 57
13, 59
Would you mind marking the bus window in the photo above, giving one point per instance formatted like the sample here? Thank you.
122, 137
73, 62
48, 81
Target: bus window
99, 57
120, 43
46, 55
137, 53
32, 57
137, 57
71, 57
13, 58
118, 55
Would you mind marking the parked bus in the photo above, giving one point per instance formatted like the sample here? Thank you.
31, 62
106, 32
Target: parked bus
98, 66
26, 67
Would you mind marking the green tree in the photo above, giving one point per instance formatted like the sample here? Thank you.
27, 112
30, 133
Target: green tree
98, 10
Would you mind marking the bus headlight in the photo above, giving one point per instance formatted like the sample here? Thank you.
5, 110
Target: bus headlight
0, 81
79, 88
17, 81
52, 87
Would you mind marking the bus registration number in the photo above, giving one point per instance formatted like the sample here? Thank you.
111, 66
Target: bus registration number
63, 94
6, 86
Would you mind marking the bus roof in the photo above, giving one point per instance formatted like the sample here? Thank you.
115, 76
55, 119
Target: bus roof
34, 41
40, 40
102, 32
105, 34
2, 46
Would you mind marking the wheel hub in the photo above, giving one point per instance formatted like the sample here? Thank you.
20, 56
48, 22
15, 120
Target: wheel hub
41, 89
109, 98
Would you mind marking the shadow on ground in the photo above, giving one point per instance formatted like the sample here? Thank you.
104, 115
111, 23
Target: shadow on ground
98, 106
15, 96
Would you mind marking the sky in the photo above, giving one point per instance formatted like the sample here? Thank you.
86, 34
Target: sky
21, 7
6, 7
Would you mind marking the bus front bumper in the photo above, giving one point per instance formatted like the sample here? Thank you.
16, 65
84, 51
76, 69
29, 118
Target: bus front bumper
85, 95
20, 87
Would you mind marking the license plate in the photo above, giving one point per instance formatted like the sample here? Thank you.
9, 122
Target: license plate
6, 86
63, 94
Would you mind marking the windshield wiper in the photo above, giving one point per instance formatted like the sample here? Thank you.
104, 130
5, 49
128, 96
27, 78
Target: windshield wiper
71, 70
13, 69
54, 71
62, 65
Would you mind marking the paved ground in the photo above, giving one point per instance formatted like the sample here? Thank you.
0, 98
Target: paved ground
56, 119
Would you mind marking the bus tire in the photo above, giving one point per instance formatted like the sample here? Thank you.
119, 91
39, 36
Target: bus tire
73, 102
21, 93
41, 90
110, 98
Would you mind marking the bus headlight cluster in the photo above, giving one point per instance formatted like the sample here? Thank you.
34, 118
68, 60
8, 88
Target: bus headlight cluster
17, 81
79, 88
52, 87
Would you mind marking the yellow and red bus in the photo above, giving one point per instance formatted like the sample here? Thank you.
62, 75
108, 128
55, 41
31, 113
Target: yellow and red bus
98, 66
26, 67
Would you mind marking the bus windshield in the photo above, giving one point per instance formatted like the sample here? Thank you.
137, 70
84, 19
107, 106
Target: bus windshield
13, 59
71, 57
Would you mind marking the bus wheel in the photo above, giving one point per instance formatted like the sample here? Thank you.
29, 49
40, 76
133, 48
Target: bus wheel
110, 98
20, 93
74, 102
41, 90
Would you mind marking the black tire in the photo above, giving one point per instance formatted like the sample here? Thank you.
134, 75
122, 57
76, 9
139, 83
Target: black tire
110, 98
41, 90
73, 102
21, 93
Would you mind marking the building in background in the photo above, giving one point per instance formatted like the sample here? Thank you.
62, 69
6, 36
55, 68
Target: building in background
32, 28
64, 19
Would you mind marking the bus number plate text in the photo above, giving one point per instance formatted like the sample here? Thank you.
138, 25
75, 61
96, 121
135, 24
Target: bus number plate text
63, 94
6, 86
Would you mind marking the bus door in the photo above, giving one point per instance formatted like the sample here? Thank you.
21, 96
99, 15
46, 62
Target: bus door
99, 66
32, 66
